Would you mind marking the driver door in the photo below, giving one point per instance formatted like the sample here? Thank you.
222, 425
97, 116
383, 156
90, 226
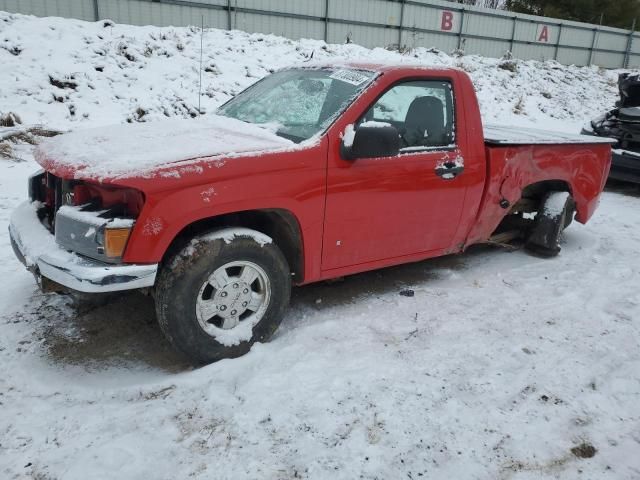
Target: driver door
390, 207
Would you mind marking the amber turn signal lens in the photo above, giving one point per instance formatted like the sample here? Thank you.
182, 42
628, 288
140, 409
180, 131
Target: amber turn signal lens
115, 239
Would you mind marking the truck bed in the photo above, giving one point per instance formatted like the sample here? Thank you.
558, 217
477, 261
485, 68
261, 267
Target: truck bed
507, 135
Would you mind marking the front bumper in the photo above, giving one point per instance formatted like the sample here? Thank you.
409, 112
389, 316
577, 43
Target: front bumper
36, 248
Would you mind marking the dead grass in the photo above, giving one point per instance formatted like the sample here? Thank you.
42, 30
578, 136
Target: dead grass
30, 136
509, 65
6, 151
9, 119
518, 108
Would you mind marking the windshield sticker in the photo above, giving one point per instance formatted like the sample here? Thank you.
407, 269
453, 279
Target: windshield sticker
349, 76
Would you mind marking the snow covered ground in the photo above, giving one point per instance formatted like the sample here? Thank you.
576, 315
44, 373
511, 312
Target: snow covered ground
497, 367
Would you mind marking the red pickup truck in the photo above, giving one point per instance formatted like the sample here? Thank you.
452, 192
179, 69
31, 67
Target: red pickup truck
312, 173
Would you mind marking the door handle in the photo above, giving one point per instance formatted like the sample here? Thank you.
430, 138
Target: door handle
449, 170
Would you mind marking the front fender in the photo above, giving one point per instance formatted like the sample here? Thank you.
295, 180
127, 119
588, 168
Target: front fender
165, 214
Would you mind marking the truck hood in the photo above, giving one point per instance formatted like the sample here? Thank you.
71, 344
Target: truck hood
127, 151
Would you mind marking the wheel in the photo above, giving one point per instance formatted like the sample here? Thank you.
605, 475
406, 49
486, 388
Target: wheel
222, 293
555, 214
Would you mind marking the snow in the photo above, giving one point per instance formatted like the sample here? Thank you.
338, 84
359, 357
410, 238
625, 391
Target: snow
374, 124
423, 148
448, 162
6, 132
495, 368
555, 204
138, 149
503, 135
626, 152
234, 336
449, 383
93, 218
35, 239
229, 234
349, 135
120, 223
152, 226
208, 194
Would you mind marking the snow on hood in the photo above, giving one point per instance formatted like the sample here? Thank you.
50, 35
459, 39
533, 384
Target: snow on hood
135, 149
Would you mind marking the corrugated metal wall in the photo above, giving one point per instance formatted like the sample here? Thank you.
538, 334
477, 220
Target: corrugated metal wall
82, 9
372, 23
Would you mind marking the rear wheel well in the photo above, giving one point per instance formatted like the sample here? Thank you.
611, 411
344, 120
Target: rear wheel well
281, 225
533, 194
536, 191
518, 221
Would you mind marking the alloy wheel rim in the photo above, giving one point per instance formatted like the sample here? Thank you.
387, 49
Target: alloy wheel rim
237, 292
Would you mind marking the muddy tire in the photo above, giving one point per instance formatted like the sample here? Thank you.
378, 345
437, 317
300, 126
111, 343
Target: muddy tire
222, 293
555, 214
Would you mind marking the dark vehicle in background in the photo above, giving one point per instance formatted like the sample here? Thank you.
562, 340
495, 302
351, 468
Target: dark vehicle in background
622, 124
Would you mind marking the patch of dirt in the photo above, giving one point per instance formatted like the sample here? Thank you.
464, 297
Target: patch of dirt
63, 83
584, 450
122, 331
509, 65
377, 282
14, 50
551, 399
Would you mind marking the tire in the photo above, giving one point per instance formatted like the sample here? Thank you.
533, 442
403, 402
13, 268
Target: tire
555, 214
209, 315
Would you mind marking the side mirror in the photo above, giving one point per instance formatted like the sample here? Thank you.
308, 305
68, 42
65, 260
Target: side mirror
371, 140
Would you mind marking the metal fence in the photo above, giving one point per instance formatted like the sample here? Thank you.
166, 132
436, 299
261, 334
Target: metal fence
372, 23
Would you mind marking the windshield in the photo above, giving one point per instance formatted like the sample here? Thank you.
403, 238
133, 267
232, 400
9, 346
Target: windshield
298, 103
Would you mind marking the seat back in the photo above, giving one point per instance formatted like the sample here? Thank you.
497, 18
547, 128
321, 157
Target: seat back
424, 123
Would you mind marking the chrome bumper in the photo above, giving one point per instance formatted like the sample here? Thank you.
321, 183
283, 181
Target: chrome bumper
35, 247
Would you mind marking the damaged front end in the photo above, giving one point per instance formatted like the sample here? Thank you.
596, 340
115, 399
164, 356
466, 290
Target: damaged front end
93, 220
73, 234
622, 124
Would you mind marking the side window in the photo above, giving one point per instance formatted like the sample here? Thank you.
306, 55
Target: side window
421, 110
